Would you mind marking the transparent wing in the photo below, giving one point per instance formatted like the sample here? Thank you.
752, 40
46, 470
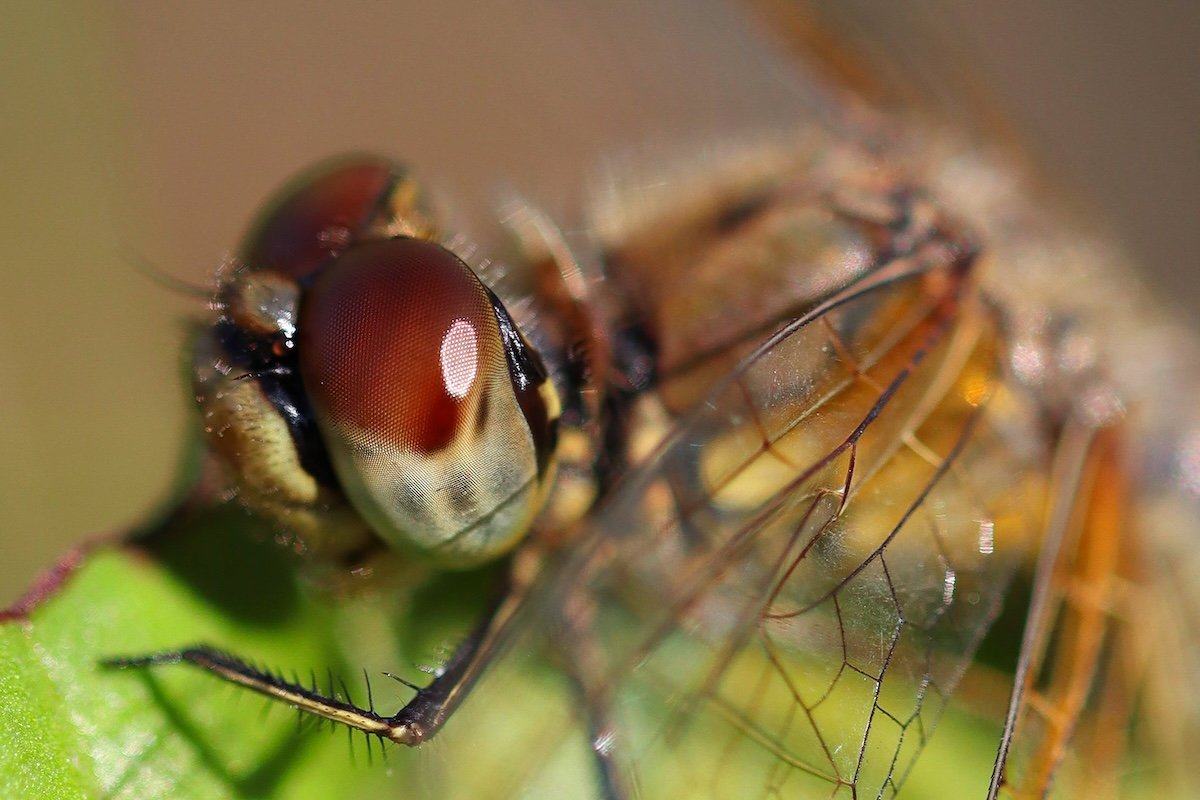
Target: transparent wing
779, 601
1111, 633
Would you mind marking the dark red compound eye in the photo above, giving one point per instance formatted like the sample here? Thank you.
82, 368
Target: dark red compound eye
394, 339
332, 207
404, 363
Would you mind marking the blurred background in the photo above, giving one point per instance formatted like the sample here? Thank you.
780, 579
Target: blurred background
155, 129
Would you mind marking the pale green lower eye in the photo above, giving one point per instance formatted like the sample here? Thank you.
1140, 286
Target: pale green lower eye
393, 383
403, 361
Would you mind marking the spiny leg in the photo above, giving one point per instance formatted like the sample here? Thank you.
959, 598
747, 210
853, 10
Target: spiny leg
420, 719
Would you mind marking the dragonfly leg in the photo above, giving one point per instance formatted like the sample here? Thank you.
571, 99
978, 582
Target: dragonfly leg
420, 719
587, 669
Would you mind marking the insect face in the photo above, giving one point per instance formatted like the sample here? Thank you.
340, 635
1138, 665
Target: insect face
362, 383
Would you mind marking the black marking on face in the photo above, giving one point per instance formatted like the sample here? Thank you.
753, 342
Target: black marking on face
527, 373
279, 380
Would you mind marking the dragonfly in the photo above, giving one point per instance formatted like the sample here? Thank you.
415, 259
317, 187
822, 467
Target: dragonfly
777, 445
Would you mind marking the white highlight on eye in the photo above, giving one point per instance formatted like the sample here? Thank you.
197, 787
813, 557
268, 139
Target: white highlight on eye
460, 358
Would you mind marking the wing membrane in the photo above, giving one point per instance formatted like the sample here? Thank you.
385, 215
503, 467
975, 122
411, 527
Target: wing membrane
1102, 712
785, 593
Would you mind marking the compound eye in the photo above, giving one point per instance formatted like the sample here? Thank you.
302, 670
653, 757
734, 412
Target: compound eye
405, 364
331, 207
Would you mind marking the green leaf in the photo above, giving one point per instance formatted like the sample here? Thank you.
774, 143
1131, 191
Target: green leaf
72, 729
